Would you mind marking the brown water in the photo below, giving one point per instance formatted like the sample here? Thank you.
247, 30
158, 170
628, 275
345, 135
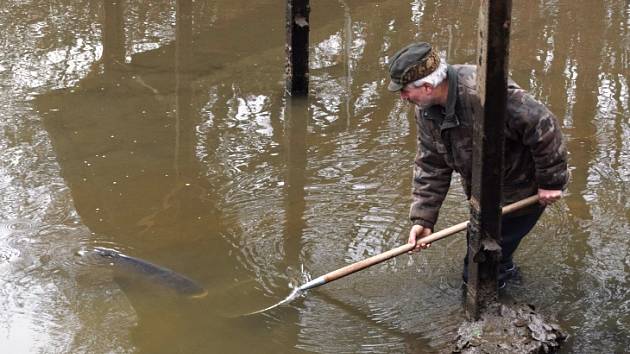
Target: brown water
160, 129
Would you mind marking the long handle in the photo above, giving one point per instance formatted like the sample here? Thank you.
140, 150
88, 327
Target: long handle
368, 262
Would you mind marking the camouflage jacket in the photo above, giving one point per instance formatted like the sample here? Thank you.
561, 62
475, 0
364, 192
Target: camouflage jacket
535, 153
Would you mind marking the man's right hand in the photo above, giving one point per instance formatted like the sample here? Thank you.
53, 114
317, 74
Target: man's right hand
418, 232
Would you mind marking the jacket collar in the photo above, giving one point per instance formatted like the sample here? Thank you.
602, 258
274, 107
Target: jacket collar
446, 116
450, 119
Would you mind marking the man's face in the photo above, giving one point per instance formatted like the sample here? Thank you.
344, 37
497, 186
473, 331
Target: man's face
420, 96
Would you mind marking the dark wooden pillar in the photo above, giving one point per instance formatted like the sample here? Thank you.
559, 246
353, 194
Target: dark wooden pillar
484, 252
297, 27
113, 35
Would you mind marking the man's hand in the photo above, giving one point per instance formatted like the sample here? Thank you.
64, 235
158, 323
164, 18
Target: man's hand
546, 197
418, 232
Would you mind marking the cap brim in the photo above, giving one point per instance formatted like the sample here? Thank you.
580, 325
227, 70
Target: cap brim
393, 87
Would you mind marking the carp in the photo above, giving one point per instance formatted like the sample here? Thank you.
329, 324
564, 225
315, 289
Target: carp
156, 274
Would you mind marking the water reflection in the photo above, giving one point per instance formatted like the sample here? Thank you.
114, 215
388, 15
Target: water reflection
136, 180
161, 129
586, 97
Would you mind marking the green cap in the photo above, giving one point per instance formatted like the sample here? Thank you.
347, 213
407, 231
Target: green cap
412, 63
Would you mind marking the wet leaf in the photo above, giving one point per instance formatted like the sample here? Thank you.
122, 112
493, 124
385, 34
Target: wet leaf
520, 322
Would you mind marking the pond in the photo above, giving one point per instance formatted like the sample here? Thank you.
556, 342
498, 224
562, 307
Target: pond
161, 130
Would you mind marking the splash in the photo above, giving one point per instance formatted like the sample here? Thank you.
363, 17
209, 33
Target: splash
298, 290
292, 296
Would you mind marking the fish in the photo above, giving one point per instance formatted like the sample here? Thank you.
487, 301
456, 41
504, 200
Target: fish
161, 275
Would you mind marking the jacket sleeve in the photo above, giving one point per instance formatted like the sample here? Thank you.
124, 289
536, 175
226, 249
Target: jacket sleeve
431, 178
540, 131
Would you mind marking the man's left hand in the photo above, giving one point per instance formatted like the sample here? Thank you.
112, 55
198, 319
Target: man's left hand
546, 197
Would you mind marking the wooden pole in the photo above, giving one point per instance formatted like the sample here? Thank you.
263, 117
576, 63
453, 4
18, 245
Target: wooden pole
484, 229
394, 252
297, 28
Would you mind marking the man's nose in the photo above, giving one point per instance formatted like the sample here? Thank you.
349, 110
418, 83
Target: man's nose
403, 95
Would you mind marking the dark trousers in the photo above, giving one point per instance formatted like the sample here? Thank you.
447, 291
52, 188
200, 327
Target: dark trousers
513, 229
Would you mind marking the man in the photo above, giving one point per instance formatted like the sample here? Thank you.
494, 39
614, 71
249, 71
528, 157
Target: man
446, 99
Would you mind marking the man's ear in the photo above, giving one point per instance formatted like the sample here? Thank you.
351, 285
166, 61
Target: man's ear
428, 89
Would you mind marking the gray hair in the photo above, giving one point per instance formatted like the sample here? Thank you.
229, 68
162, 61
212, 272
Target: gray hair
435, 78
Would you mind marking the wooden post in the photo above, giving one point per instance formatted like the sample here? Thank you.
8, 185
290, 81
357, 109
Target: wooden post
484, 230
297, 27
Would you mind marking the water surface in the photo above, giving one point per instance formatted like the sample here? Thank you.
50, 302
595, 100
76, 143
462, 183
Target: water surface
161, 129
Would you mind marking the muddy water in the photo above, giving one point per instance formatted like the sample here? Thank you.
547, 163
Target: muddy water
160, 130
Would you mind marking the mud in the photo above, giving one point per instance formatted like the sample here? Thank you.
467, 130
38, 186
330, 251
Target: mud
515, 328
